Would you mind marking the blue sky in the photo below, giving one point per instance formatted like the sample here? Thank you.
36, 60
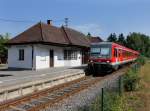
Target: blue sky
100, 17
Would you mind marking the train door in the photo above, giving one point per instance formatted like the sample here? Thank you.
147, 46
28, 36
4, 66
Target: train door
120, 55
116, 54
116, 57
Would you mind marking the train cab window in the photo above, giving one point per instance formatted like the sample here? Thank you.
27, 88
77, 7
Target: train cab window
104, 51
95, 52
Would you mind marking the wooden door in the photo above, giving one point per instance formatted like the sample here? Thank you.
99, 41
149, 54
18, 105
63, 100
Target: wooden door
82, 53
51, 58
85, 57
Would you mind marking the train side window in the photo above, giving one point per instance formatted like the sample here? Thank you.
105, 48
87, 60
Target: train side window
115, 52
120, 52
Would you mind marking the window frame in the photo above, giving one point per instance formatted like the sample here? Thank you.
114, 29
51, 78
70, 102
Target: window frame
21, 54
115, 52
70, 54
102, 49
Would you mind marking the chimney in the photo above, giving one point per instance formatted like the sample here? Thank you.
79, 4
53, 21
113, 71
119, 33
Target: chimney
49, 22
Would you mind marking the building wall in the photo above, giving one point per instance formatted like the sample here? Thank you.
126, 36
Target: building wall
13, 57
77, 62
41, 55
41, 59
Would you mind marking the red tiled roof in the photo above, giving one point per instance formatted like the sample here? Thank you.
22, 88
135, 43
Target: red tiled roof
95, 39
44, 33
76, 37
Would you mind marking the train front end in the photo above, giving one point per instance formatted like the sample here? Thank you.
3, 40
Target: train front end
100, 57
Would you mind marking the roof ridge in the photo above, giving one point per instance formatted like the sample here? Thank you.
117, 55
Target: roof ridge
66, 35
77, 31
41, 31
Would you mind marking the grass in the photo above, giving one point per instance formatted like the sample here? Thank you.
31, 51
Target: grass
140, 100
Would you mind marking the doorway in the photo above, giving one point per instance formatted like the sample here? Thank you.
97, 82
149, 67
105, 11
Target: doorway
51, 58
85, 56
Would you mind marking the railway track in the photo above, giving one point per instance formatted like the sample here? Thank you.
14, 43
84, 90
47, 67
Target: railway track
48, 97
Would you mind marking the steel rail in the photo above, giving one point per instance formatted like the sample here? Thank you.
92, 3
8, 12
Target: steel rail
48, 97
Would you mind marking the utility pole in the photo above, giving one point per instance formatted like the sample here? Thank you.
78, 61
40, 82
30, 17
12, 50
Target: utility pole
102, 99
66, 22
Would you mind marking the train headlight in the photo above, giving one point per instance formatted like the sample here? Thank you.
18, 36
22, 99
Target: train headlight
90, 61
108, 61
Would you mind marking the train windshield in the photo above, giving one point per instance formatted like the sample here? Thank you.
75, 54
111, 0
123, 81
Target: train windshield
103, 52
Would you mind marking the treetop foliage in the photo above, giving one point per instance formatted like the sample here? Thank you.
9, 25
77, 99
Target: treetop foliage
112, 37
3, 49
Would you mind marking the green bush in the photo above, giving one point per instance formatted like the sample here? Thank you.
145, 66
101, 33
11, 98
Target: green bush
141, 60
113, 102
131, 80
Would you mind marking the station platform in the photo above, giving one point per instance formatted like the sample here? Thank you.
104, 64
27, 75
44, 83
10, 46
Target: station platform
15, 83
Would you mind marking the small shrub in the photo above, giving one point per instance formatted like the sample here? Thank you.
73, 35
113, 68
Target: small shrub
84, 108
131, 80
113, 102
141, 60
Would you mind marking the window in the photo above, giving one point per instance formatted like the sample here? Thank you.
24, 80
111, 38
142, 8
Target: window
115, 53
21, 54
70, 55
104, 51
95, 50
100, 52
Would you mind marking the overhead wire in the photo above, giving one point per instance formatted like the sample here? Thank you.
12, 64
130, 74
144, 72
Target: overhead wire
25, 21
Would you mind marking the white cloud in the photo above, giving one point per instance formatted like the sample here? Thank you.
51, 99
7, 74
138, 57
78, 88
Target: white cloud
94, 29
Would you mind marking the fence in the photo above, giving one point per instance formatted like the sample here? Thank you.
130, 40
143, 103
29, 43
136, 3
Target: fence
110, 96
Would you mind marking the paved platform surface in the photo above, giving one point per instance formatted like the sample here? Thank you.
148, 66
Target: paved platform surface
13, 77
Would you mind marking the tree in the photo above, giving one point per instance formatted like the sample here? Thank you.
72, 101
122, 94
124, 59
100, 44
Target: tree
3, 48
89, 34
139, 42
112, 38
121, 39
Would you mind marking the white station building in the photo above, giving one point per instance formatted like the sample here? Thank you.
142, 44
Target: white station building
44, 46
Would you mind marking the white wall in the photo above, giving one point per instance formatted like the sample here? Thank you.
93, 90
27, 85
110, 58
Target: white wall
59, 58
41, 57
13, 56
43, 61
77, 62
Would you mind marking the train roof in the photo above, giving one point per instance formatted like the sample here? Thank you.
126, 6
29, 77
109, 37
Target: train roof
115, 44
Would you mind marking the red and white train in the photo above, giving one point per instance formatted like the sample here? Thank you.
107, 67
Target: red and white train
106, 55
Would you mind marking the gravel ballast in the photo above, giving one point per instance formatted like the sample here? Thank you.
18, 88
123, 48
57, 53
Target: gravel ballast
86, 96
